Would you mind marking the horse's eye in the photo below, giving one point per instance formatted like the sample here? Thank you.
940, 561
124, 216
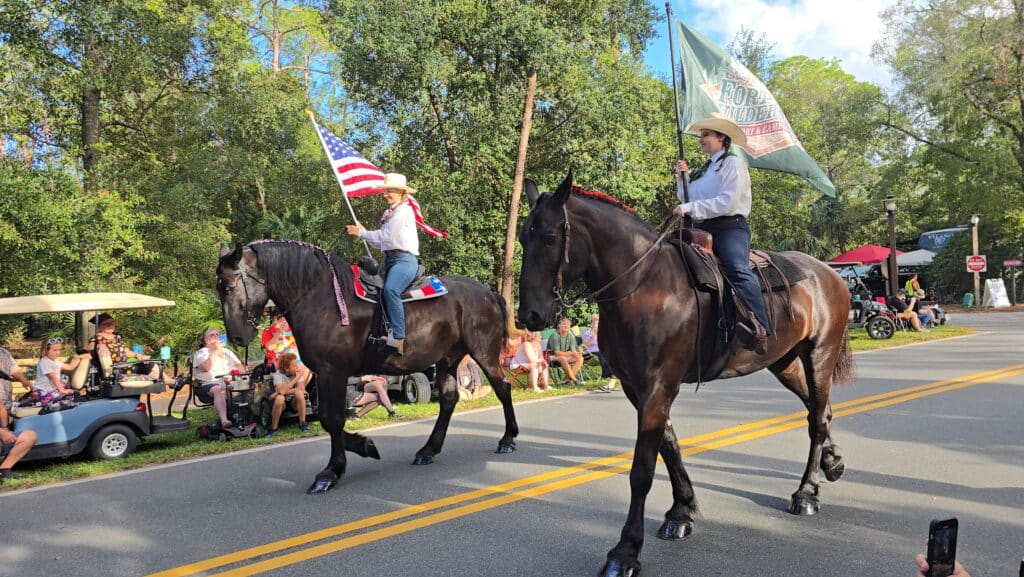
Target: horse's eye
549, 239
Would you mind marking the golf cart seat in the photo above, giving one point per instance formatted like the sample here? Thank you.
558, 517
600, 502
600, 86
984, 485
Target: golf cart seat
22, 412
117, 382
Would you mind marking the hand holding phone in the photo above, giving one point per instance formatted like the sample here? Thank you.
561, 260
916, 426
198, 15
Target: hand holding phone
942, 547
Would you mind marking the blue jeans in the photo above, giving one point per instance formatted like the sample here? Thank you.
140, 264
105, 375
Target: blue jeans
731, 237
400, 270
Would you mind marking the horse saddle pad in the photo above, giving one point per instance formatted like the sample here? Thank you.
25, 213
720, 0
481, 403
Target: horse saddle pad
369, 286
774, 271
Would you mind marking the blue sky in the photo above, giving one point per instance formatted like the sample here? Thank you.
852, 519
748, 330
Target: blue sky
845, 30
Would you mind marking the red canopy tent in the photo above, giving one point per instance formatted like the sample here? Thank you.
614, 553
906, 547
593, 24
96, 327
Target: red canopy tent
867, 254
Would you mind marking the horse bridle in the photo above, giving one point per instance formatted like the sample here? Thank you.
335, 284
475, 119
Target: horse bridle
250, 318
559, 288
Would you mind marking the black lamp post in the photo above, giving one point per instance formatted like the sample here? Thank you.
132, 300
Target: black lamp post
894, 277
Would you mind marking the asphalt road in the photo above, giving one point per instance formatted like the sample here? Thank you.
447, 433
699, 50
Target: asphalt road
947, 441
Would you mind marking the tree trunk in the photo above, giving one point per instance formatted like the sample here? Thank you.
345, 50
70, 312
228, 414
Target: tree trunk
517, 191
90, 115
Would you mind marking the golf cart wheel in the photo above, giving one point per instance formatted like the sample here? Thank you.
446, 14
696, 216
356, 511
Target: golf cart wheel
113, 442
416, 388
880, 328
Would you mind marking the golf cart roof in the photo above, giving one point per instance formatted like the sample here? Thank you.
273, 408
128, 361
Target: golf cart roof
79, 302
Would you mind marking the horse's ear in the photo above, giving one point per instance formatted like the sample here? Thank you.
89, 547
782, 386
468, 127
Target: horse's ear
562, 194
238, 252
531, 192
224, 250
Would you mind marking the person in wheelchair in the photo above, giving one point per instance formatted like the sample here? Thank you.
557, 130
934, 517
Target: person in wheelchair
211, 361
49, 385
290, 382
108, 344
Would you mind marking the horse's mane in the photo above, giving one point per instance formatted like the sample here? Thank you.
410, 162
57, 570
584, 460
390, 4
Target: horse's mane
298, 263
608, 199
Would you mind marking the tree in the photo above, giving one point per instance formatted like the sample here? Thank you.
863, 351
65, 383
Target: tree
960, 71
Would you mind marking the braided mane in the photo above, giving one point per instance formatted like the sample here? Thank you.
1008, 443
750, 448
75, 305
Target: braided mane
603, 197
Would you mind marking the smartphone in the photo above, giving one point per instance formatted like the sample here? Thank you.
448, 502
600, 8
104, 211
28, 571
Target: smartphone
942, 547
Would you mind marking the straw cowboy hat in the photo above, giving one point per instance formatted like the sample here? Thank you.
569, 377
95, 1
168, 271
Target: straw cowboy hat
720, 123
395, 181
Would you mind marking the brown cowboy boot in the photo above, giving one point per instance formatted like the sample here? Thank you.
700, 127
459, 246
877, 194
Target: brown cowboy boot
752, 334
399, 347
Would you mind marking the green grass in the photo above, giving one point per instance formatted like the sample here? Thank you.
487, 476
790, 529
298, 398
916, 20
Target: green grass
170, 447
860, 341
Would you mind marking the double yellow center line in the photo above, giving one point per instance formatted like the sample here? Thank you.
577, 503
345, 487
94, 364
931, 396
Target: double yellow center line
456, 506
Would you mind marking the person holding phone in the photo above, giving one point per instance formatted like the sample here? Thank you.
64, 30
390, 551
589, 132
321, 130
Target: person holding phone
923, 568
211, 363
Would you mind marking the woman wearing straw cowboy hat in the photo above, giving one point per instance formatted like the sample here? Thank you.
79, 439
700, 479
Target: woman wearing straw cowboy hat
397, 238
719, 204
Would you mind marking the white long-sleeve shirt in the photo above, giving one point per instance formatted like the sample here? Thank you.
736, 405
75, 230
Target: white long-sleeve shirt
397, 233
723, 190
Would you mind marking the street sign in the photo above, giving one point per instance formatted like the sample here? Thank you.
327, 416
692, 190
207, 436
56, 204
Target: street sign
1013, 262
977, 263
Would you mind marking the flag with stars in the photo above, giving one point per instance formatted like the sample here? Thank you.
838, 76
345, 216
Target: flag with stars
356, 175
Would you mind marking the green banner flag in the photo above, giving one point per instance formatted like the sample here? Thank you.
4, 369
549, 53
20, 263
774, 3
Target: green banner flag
714, 81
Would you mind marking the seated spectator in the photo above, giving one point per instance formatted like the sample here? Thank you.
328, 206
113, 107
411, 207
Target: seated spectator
528, 358
591, 349
924, 313
12, 447
469, 380
565, 350
904, 310
211, 363
290, 380
49, 384
12, 370
373, 393
277, 339
108, 343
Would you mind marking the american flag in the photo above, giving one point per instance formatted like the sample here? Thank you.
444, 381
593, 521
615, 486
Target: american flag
359, 177
356, 175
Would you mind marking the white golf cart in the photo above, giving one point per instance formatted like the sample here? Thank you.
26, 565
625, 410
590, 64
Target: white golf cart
108, 417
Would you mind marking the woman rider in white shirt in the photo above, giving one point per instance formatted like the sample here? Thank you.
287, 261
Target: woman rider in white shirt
397, 238
720, 203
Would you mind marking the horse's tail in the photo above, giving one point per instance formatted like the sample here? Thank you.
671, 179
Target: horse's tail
504, 314
844, 373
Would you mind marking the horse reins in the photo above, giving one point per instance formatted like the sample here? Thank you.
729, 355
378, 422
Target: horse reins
559, 288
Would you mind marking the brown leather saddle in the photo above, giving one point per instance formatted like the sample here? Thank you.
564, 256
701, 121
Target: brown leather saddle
717, 321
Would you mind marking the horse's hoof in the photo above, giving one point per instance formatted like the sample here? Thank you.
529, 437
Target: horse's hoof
321, 485
619, 568
371, 450
836, 470
423, 459
804, 506
506, 448
672, 530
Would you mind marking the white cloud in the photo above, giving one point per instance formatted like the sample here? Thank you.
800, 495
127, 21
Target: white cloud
845, 30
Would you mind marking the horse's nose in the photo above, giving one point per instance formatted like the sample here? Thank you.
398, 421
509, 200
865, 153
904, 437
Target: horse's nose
532, 320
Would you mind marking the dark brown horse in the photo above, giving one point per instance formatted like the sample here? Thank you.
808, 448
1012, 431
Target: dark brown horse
648, 332
314, 289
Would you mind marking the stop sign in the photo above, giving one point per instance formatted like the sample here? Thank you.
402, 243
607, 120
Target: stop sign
977, 263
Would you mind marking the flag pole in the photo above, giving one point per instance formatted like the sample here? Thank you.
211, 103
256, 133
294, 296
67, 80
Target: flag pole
348, 203
679, 114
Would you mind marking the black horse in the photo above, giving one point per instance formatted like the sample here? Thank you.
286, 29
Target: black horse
314, 289
649, 325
